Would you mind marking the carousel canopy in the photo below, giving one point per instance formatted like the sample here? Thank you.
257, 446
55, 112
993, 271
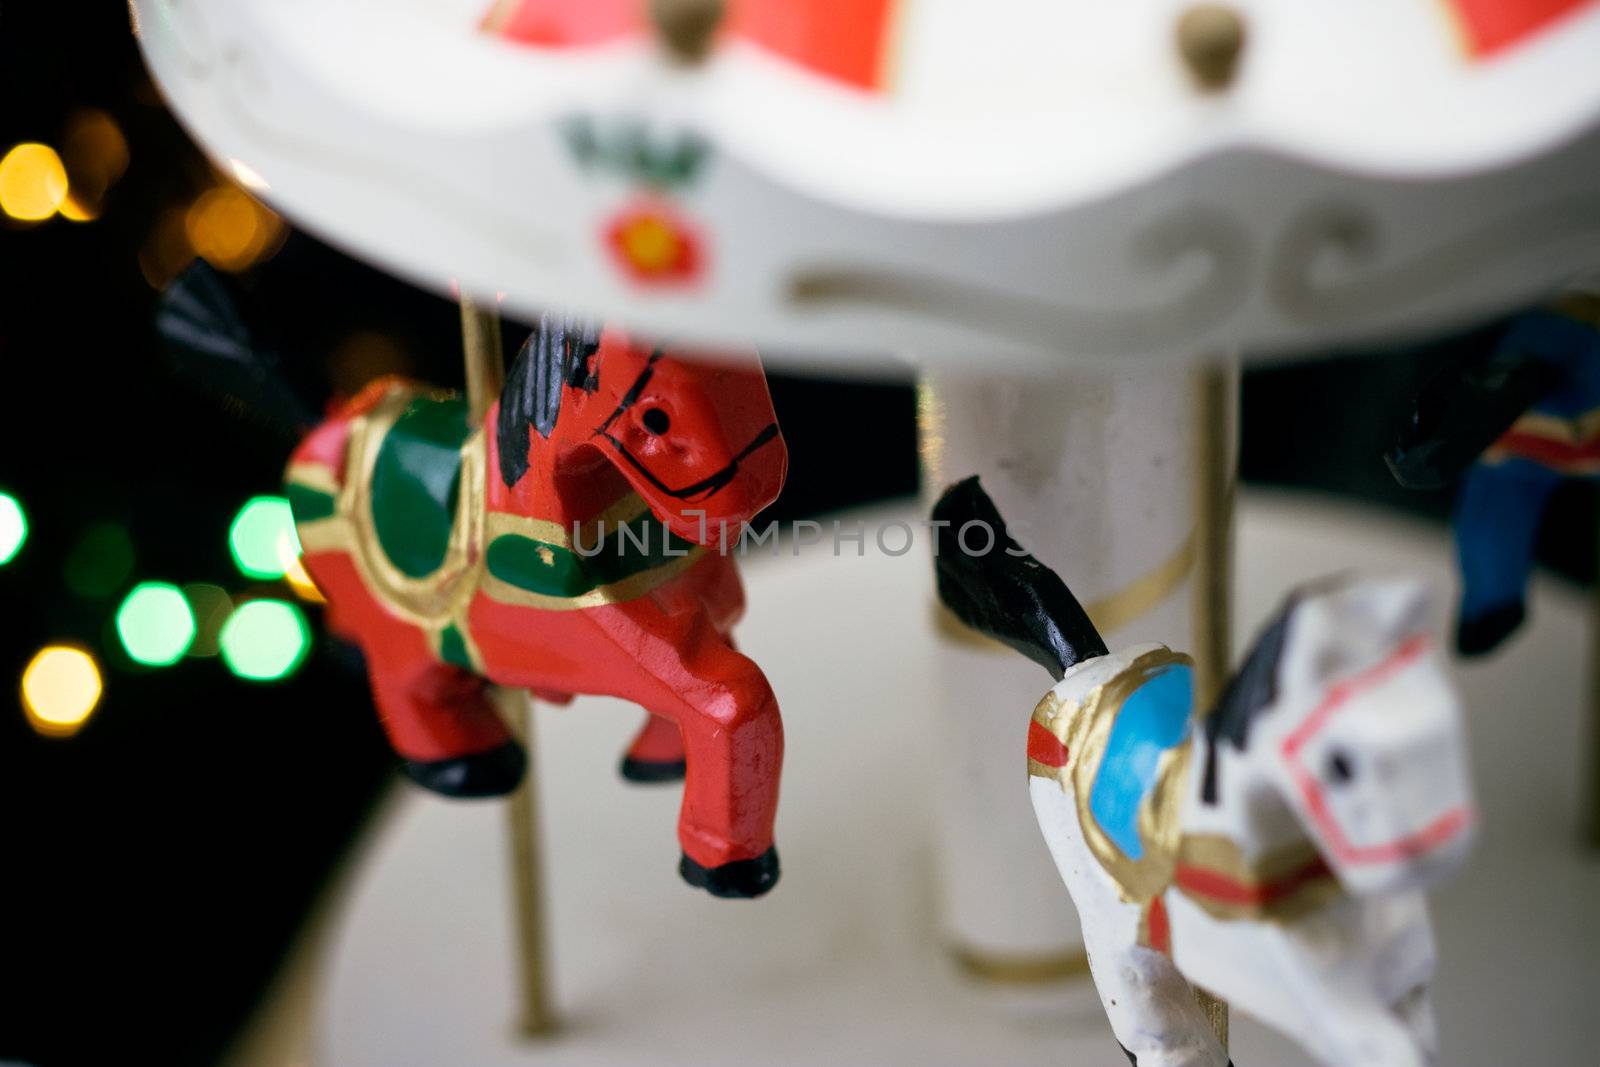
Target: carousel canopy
1016, 181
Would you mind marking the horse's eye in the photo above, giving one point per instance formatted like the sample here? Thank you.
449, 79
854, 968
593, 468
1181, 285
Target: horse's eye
1340, 767
655, 420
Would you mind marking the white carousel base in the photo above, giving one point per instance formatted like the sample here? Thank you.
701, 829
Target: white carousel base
844, 963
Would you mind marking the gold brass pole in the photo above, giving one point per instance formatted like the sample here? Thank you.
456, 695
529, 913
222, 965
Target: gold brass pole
1216, 388
480, 348
485, 374
527, 875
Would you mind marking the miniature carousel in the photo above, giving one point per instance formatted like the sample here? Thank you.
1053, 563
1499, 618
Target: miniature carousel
1075, 222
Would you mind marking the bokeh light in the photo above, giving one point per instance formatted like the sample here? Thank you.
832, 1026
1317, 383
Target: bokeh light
365, 355
79, 209
231, 229
212, 606
100, 562
33, 182
61, 687
95, 153
166, 250
13, 528
155, 624
264, 640
258, 534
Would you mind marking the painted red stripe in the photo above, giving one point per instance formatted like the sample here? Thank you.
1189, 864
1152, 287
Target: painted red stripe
1490, 26
1431, 836
1549, 451
843, 40
1410, 649
1214, 884
1044, 747
1159, 927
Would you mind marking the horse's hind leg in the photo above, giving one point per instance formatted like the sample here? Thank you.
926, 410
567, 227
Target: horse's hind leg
444, 727
656, 753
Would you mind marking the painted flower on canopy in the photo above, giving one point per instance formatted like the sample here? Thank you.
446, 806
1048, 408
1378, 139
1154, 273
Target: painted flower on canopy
654, 245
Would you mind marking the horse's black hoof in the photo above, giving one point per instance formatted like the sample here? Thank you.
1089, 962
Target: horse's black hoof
483, 774
1483, 634
741, 879
646, 772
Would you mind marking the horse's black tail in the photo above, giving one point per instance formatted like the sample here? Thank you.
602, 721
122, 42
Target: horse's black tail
209, 346
1004, 592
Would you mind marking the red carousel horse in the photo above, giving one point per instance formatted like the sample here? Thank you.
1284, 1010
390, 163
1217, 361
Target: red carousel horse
568, 545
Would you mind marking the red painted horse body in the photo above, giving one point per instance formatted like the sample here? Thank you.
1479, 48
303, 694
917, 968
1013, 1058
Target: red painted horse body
605, 429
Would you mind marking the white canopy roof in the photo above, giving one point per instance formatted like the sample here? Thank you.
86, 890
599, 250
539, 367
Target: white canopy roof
1026, 181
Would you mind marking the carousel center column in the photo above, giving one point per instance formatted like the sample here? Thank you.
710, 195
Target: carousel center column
1119, 479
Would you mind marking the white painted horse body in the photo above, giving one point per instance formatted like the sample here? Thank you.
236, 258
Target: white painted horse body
1295, 894
1274, 850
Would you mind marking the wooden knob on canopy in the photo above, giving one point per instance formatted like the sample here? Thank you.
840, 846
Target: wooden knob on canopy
685, 28
1211, 39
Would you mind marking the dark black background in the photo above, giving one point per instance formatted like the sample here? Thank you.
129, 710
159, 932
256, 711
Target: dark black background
154, 868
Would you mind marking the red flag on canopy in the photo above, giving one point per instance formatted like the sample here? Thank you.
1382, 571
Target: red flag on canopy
843, 40
1490, 26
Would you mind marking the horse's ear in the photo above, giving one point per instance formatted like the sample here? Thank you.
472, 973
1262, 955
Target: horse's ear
1398, 606
1366, 617
560, 352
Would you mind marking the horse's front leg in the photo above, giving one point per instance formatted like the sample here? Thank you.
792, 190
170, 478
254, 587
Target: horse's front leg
656, 753
733, 738
1347, 981
734, 746
1151, 1009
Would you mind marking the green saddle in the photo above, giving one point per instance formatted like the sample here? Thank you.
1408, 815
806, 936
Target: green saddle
416, 483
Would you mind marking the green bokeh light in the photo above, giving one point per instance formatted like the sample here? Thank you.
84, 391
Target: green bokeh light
100, 562
264, 640
155, 624
262, 537
13, 527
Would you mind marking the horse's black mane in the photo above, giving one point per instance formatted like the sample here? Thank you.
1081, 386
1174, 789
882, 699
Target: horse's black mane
559, 352
1252, 689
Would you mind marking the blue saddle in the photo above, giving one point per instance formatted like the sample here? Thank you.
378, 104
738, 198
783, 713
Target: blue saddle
1152, 719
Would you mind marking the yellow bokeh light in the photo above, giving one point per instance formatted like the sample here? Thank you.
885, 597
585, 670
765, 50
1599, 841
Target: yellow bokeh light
94, 145
166, 251
33, 182
231, 229
61, 687
75, 210
95, 153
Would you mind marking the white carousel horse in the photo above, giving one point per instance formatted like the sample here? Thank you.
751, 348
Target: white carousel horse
1273, 851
